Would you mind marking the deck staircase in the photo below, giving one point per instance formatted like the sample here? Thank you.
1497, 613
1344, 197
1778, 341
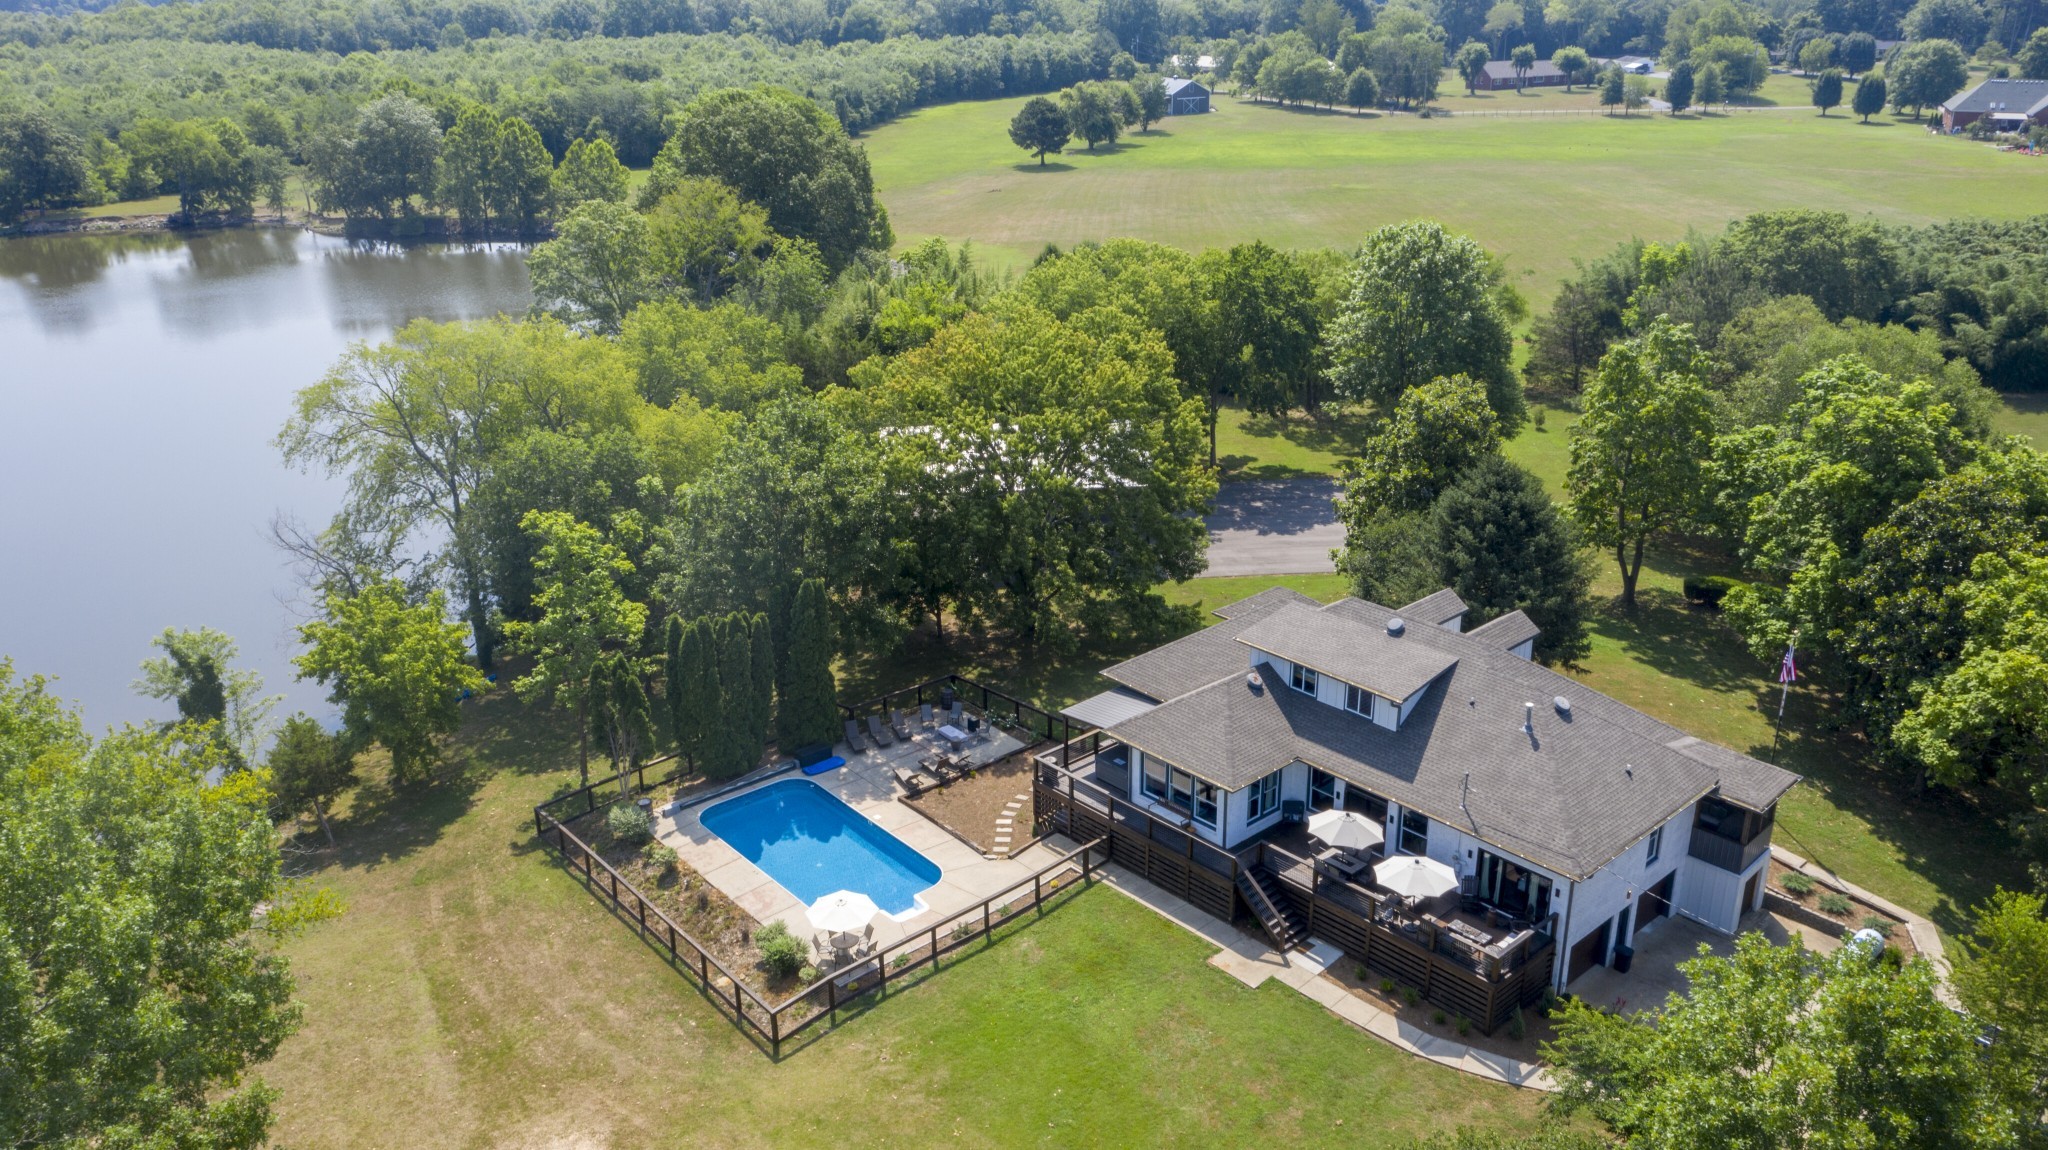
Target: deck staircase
1261, 892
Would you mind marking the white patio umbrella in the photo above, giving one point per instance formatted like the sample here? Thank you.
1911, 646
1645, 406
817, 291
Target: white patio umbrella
1345, 830
1413, 876
842, 912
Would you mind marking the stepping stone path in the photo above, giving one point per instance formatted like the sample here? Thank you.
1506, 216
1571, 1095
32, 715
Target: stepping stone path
1006, 825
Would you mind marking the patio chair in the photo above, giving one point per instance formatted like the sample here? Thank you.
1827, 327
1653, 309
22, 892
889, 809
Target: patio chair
954, 715
878, 732
1292, 810
913, 780
853, 742
924, 716
900, 724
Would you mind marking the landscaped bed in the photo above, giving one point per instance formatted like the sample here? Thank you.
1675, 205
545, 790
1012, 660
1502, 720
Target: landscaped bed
969, 807
1820, 904
1388, 994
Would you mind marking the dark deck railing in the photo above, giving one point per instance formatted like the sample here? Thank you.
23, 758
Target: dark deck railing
1726, 853
1449, 971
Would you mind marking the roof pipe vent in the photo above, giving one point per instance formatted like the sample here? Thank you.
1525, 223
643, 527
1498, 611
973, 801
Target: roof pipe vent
1564, 707
1252, 681
1397, 626
1528, 718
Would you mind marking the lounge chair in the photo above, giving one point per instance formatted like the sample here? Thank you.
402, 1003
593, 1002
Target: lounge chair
924, 716
899, 722
913, 780
955, 715
853, 742
878, 732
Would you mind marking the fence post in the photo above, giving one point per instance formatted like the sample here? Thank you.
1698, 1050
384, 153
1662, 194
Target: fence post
1037, 894
984, 919
935, 948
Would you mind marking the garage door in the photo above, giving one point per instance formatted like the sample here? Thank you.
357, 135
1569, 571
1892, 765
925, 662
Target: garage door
1588, 952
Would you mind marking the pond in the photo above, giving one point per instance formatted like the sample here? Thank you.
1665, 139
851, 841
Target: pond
143, 379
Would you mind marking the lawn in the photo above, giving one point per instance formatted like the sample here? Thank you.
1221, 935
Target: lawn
473, 994
1262, 447
2021, 413
1545, 450
1541, 193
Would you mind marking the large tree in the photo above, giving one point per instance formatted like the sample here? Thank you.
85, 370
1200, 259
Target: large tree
1922, 74
140, 981
384, 164
690, 689
1636, 454
597, 269
809, 707
620, 714
1062, 458
1039, 127
41, 165
1267, 324
2001, 978
1778, 1049
1471, 62
197, 674
395, 667
1503, 545
1423, 304
590, 170
785, 153
580, 616
1437, 431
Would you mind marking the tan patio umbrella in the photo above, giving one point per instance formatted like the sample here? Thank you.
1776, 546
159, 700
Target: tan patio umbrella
1345, 830
1413, 876
842, 912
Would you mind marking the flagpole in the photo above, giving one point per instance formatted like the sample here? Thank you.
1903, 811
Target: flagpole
1786, 673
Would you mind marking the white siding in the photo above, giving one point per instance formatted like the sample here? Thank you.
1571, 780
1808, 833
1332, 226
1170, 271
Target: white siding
1526, 649
1714, 896
1138, 796
1293, 785
1620, 884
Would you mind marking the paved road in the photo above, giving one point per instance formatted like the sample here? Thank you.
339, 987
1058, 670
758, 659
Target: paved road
1274, 527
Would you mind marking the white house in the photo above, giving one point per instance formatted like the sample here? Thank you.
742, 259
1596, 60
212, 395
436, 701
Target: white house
1566, 814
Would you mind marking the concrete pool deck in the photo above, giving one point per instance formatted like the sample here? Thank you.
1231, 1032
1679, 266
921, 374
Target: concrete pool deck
865, 784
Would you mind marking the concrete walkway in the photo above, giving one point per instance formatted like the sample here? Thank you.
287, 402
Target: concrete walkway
1274, 527
1252, 962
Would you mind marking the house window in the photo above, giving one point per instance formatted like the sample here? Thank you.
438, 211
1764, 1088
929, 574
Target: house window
1262, 797
1155, 777
1302, 679
1414, 832
1656, 845
1358, 699
1205, 803
1180, 789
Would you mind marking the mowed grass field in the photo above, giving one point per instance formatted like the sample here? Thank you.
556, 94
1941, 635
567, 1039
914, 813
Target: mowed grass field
1540, 191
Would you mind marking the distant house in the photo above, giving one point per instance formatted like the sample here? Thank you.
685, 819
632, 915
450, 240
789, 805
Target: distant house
1499, 75
2010, 105
1193, 63
1633, 65
1185, 98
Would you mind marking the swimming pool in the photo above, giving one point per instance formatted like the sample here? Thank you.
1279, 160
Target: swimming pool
813, 844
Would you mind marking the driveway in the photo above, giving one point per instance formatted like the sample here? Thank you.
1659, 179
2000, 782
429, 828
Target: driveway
1274, 527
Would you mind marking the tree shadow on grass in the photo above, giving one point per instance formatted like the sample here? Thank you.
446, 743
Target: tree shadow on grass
1033, 167
382, 821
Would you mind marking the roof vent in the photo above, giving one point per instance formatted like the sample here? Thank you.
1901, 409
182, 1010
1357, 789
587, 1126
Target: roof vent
1396, 626
1563, 705
1252, 681
1528, 717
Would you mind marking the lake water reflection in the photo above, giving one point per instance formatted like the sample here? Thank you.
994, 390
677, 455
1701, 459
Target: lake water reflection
142, 379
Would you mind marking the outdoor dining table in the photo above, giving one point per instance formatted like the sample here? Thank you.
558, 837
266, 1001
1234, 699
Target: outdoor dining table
1343, 862
953, 735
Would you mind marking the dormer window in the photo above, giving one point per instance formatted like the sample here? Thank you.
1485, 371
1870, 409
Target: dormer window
1358, 700
1302, 679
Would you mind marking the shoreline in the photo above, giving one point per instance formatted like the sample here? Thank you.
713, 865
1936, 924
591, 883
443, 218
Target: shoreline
431, 230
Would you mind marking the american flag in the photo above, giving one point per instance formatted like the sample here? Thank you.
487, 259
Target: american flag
1786, 671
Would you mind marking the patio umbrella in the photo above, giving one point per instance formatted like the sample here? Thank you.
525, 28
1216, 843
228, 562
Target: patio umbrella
1412, 876
842, 912
1345, 830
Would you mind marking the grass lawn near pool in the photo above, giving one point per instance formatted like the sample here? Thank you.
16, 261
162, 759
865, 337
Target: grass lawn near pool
1539, 193
474, 994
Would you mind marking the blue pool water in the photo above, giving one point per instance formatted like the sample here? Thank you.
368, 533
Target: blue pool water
813, 844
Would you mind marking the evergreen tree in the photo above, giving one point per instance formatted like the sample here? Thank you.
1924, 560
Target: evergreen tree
672, 680
1503, 546
810, 709
1869, 99
781, 601
620, 714
590, 170
1678, 89
735, 715
694, 680
762, 681
1712, 89
309, 767
1613, 88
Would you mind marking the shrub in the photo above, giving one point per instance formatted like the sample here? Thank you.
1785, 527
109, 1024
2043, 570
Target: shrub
629, 824
962, 931
782, 953
1386, 984
1882, 925
1836, 904
899, 962
1709, 590
1892, 958
1463, 1025
1517, 1025
1003, 911
1538, 415
808, 974
658, 854
1410, 996
1439, 1017
1796, 883
1547, 1003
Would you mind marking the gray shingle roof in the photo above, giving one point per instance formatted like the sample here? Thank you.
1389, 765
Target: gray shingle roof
1507, 632
2015, 97
1174, 86
1571, 798
1505, 70
1205, 656
1435, 609
1392, 667
1264, 601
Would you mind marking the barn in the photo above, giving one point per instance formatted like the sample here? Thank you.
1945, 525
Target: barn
1185, 98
